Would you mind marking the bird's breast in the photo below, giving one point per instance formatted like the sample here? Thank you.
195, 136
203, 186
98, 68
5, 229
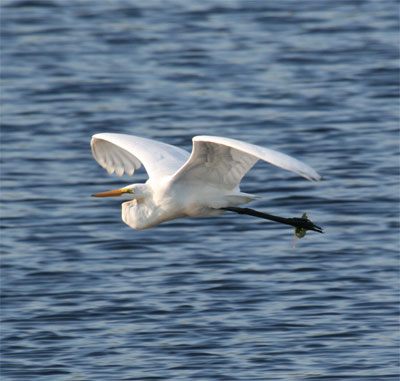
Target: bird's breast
139, 214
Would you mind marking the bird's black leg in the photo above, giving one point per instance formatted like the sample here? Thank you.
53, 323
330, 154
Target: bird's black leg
301, 223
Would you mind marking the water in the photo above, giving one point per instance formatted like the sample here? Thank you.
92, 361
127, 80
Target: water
224, 298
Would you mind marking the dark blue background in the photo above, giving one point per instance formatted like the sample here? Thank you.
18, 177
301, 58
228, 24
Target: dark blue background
225, 298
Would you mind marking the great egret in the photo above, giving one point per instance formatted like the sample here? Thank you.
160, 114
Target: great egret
205, 183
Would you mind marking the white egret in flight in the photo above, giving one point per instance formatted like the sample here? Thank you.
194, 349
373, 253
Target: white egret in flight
203, 183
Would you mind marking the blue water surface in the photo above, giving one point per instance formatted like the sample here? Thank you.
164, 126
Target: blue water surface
84, 297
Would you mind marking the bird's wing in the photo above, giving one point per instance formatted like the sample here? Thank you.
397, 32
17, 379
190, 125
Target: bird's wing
121, 153
223, 162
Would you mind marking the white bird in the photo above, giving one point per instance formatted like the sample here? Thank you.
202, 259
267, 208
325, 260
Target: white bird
204, 183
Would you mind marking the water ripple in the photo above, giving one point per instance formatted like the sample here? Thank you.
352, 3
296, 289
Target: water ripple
224, 298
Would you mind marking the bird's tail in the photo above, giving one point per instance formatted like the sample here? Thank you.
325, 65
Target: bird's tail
239, 198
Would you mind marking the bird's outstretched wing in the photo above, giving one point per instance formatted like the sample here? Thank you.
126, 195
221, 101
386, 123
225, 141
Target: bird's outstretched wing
121, 153
223, 162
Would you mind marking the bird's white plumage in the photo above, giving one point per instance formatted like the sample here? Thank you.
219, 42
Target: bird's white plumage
122, 153
181, 184
223, 162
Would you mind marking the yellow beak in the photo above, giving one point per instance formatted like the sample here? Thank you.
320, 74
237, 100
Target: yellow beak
113, 193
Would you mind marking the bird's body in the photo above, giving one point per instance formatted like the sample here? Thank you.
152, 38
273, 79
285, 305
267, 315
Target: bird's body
163, 202
183, 185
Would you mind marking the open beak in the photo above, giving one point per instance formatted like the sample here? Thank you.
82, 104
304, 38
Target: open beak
113, 193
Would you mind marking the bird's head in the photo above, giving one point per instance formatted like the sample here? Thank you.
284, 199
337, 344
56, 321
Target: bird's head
133, 191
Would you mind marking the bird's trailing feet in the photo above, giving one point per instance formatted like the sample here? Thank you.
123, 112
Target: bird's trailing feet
301, 225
